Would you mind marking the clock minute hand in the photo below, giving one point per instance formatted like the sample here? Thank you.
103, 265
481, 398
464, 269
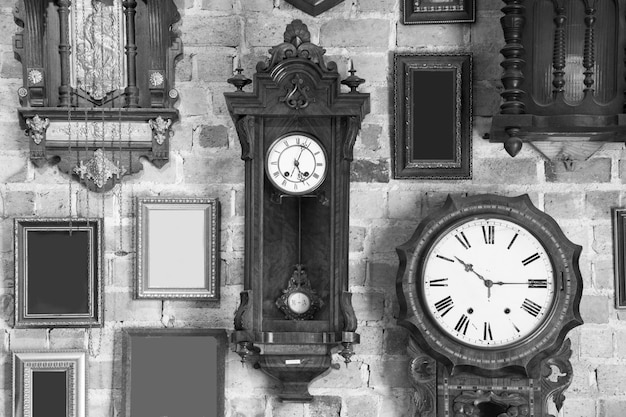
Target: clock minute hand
470, 268
509, 283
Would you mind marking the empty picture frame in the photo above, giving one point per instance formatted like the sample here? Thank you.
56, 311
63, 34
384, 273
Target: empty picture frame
438, 11
619, 248
433, 116
167, 371
49, 383
177, 246
58, 272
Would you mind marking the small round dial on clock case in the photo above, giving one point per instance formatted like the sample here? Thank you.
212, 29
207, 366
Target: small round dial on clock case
296, 164
298, 302
488, 282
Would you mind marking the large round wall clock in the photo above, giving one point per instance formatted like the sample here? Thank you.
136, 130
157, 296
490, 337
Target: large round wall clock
296, 163
491, 283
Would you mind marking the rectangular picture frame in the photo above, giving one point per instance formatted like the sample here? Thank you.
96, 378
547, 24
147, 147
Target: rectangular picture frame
168, 370
438, 11
49, 383
433, 116
58, 272
177, 248
619, 255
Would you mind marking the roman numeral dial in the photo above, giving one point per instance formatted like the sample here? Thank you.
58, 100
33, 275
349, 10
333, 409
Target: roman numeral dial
487, 282
296, 164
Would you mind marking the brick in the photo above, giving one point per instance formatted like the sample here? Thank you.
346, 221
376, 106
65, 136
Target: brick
368, 306
217, 98
19, 203
232, 271
67, 338
324, 405
378, 6
183, 4
218, 31
610, 378
344, 377
603, 278
52, 204
385, 240
594, 309
391, 373
620, 343
431, 35
356, 273
598, 204
194, 100
6, 235
372, 338
257, 6
7, 26
370, 171
362, 406
214, 65
370, 137
213, 136
367, 204
583, 172
611, 407
487, 98
5, 378
287, 409
184, 68
247, 407
120, 306
414, 205
12, 168
217, 5
602, 239
381, 101
564, 205
370, 33
596, 343
245, 378
579, 407
223, 168
396, 340
11, 67
267, 32
372, 67
509, 171
102, 374
382, 275
357, 238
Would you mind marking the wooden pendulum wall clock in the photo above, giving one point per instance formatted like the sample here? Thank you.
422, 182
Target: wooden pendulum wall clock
489, 287
297, 131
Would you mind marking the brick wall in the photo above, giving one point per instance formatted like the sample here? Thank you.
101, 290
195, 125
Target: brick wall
384, 212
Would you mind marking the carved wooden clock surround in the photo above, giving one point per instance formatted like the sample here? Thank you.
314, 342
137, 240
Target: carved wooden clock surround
295, 307
455, 375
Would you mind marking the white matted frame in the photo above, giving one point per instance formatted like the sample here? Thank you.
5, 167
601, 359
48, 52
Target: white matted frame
71, 365
177, 248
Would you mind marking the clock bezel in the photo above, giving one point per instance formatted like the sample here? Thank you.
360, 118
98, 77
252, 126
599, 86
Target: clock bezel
427, 257
275, 184
524, 357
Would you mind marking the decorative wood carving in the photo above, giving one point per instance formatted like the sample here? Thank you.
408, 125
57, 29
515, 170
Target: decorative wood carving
296, 94
74, 76
314, 7
562, 110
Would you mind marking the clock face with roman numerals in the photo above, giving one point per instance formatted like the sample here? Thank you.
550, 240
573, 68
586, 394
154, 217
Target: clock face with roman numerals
488, 282
296, 164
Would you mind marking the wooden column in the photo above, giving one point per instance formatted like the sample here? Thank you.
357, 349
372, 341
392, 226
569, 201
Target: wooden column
132, 92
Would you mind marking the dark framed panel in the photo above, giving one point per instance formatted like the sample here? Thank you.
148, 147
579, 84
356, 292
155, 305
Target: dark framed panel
49, 383
177, 248
619, 248
58, 272
438, 11
433, 116
169, 370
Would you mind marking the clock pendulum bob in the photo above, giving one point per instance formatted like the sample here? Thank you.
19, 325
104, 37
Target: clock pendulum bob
489, 286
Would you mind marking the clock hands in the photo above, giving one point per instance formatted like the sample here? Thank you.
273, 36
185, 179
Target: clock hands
470, 268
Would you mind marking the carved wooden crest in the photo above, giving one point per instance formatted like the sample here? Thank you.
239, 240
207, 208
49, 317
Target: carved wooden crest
314, 7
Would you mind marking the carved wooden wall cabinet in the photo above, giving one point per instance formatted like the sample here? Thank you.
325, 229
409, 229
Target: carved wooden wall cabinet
489, 287
563, 77
297, 132
98, 87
